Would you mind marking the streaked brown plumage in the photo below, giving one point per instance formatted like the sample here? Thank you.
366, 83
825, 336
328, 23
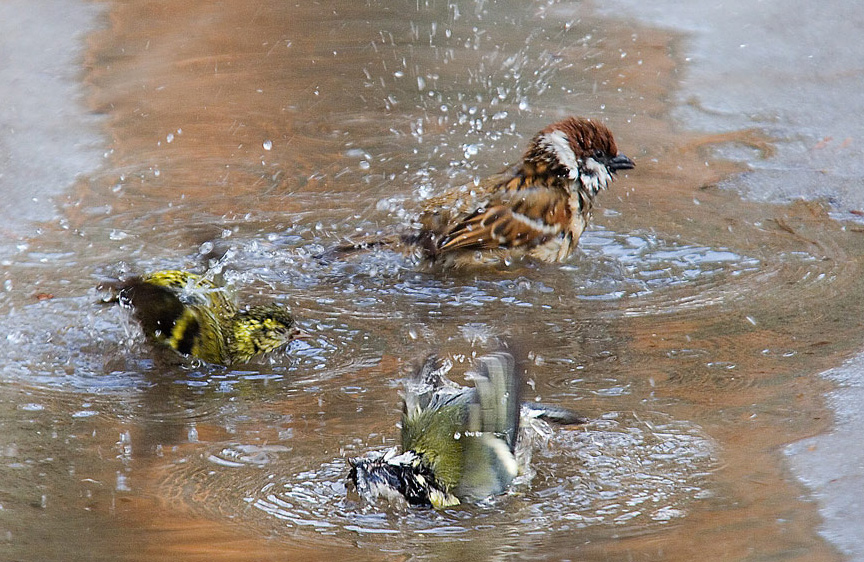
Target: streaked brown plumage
537, 208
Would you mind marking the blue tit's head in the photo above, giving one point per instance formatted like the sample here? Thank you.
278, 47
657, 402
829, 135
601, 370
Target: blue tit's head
396, 478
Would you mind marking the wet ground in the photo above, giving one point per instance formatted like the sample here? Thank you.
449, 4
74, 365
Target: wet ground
692, 325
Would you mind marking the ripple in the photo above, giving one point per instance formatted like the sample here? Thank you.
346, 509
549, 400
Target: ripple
238, 454
618, 471
651, 274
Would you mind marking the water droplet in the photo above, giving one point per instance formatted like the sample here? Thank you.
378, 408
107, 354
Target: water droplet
31, 407
470, 150
170, 138
122, 486
364, 165
268, 144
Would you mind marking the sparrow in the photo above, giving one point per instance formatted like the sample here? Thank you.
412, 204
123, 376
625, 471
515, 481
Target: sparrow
196, 317
537, 208
458, 442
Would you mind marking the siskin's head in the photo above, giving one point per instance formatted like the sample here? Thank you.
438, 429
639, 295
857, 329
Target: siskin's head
261, 329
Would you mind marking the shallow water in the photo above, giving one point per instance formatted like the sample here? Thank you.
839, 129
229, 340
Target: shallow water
690, 325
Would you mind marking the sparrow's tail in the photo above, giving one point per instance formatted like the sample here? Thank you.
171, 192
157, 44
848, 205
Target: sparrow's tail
366, 243
397, 239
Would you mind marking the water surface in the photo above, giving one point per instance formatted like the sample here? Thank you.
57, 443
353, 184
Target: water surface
265, 133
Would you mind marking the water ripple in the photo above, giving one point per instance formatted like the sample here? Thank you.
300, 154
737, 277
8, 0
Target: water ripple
618, 471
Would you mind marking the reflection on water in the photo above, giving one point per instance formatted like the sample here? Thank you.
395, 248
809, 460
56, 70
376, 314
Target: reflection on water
262, 134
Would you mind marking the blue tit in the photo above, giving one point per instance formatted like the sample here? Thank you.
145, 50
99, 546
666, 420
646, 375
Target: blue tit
458, 442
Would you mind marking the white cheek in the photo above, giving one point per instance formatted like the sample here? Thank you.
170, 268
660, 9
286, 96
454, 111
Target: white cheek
596, 176
557, 143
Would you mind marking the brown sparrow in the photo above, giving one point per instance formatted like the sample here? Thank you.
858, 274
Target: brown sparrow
537, 208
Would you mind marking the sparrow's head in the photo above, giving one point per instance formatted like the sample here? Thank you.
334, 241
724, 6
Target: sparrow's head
578, 148
261, 329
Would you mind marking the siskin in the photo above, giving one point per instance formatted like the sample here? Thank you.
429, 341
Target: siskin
457, 442
196, 317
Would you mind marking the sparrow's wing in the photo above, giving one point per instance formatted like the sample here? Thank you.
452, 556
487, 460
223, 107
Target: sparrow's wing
464, 199
524, 218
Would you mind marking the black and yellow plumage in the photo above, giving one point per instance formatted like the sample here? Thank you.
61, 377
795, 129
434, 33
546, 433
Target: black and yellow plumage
457, 442
197, 317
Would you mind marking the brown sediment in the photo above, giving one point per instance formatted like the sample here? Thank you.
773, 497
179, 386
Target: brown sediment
188, 537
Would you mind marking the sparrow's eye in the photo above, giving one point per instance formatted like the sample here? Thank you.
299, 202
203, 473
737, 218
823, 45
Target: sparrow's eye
599, 155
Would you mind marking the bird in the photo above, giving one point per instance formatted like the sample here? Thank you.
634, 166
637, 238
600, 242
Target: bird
458, 443
197, 317
537, 208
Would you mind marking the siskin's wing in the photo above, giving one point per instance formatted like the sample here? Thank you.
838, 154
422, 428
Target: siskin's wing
181, 310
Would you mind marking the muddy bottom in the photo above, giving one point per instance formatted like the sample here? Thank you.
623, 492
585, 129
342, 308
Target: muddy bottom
689, 326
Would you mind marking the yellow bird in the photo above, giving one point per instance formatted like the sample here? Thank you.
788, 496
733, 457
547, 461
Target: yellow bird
458, 442
196, 317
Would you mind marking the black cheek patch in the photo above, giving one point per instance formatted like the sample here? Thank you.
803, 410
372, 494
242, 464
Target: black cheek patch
190, 334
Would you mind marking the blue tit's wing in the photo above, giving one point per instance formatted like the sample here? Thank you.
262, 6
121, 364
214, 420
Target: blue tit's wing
426, 381
489, 464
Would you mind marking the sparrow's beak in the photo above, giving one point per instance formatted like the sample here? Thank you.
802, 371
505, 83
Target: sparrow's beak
620, 162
